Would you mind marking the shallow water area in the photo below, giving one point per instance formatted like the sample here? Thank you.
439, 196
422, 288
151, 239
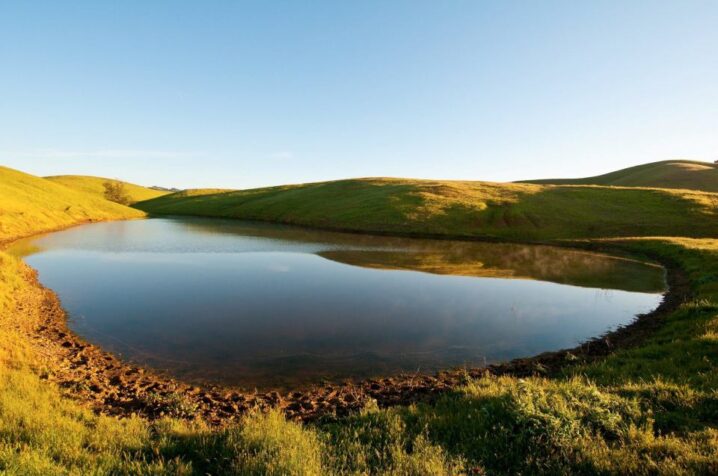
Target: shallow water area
270, 306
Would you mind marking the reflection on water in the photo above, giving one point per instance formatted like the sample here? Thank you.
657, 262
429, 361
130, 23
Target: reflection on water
272, 306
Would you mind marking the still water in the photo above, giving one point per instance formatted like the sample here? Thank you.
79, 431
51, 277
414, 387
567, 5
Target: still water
257, 305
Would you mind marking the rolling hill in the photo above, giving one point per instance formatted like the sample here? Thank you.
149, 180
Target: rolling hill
30, 204
460, 209
647, 408
94, 186
679, 174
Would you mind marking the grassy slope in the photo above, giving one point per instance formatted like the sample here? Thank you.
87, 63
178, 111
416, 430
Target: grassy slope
513, 211
648, 410
681, 174
30, 204
93, 186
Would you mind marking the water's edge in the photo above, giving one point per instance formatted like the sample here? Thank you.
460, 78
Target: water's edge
112, 386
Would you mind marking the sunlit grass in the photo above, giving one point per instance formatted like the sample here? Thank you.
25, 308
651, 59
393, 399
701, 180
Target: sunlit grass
677, 174
648, 410
95, 186
467, 209
30, 204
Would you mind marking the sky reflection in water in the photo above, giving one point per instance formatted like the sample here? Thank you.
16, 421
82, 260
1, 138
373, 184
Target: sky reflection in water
258, 305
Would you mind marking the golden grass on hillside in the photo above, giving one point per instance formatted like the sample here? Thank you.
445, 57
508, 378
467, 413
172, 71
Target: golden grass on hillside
94, 186
467, 209
649, 409
678, 174
30, 204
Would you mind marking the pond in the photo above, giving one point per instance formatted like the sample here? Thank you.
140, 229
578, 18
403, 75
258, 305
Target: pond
269, 306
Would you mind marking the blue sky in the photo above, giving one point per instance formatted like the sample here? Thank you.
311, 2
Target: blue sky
243, 94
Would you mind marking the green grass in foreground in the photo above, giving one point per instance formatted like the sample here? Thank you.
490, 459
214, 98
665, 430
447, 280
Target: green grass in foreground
470, 209
682, 174
649, 410
94, 186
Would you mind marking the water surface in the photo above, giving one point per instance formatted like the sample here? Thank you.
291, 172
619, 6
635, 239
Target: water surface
259, 305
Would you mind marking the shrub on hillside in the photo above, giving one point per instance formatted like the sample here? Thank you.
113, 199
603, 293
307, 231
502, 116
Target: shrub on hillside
115, 192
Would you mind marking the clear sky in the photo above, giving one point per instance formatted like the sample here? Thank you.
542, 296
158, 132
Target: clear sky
242, 94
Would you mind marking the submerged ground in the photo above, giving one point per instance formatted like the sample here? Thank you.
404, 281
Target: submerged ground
648, 409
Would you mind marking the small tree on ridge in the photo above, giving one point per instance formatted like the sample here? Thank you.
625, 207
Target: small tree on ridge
115, 192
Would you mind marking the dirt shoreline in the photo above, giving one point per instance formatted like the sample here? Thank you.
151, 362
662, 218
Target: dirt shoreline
114, 387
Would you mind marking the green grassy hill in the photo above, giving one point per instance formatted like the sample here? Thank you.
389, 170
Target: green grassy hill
682, 174
94, 186
649, 409
30, 204
472, 209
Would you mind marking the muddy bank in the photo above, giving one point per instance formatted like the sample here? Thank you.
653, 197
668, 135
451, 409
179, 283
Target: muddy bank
114, 387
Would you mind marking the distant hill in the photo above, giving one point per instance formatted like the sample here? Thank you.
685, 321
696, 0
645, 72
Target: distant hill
30, 204
165, 189
682, 174
481, 209
94, 185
